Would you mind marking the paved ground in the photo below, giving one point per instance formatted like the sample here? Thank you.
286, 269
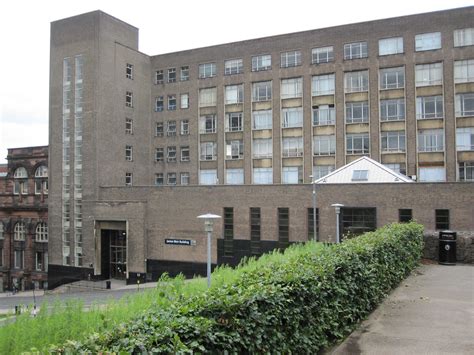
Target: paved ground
431, 312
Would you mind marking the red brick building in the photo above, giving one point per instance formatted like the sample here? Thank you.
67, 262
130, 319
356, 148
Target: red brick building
24, 219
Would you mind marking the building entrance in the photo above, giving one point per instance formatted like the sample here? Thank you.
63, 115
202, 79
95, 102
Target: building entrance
114, 254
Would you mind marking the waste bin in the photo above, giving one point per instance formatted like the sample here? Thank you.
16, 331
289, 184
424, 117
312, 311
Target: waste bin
447, 248
107, 284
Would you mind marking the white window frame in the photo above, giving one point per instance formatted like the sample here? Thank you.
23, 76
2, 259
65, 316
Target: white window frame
292, 147
184, 178
159, 77
129, 71
159, 154
184, 101
292, 117
184, 128
185, 153
262, 62
207, 97
159, 129
19, 254
428, 74
320, 171
234, 94
262, 148
172, 104
324, 145
430, 140
422, 103
184, 73
233, 66
290, 59
262, 119
356, 81
171, 128
208, 151
323, 85
324, 115
322, 55
171, 153
159, 104
464, 170
171, 179
354, 138
291, 88
390, 46
129, 99
387, 106
438, 173
208, 177
463, 37
355, 107
231, 118
464, 71
463, 100
128, 153
262, 91
171, 75
19, 231
291, 175
159, 179
207, 70
203, 124
262, 176
41, 233
428, 41
128, 126
234, 176
465, 139
384, 75
355, 50
234, 149
393, 142
128, 179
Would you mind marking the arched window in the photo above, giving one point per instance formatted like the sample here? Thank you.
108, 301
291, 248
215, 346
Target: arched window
42, 232
20, 173
41, 180
41, 172
19, 231
21, 182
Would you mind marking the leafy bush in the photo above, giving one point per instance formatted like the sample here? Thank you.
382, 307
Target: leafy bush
299, 301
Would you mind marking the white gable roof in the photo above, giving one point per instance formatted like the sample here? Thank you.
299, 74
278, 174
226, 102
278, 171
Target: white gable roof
376, 173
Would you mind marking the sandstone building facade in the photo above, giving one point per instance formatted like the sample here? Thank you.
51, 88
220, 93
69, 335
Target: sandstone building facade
140, 145
24, 219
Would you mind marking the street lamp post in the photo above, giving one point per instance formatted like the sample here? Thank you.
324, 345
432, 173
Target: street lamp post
208, 224
313, 181
337, 206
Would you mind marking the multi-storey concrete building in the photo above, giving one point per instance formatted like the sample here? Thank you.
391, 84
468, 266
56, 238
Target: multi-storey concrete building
24, 219
128, 131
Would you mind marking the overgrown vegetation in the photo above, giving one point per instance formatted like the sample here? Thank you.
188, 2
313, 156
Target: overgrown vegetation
299, 301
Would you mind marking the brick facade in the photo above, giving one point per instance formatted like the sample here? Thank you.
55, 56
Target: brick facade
24, 208
95, 152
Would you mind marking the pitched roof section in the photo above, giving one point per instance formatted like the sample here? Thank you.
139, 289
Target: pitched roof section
363, 170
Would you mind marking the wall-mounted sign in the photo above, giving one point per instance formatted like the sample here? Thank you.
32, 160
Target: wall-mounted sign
180, 242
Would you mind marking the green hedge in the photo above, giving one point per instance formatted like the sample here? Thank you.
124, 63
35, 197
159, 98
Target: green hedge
301, 301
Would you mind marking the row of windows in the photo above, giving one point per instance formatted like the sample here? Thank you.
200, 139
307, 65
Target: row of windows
19, 232
40, 172
20, 176
429, 140
293, 175
356, 81
41, 259
355, 50
427, 107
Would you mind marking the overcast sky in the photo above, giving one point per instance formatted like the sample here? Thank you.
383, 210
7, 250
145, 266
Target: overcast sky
165, 26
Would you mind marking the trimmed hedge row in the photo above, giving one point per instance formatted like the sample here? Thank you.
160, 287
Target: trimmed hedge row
304, 301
